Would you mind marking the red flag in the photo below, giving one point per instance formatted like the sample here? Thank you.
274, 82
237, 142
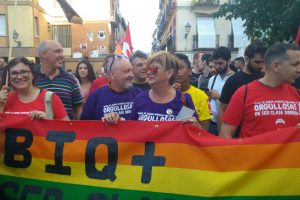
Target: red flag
298, 36
118, 49
127, 45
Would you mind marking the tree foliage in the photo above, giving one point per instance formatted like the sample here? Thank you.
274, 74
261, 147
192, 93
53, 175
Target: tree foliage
268, 20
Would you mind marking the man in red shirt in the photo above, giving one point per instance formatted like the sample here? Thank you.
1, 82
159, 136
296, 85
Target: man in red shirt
103, 80
269, 103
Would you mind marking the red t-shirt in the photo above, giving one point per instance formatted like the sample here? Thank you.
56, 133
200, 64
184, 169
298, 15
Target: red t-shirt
103, 80
15, 106
265, 108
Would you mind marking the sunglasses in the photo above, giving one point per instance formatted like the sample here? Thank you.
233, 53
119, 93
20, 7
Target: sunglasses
153, 69
118, 57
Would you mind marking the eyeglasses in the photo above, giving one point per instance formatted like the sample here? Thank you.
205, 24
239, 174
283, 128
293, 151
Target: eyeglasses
23, 73
119, 57
153, 69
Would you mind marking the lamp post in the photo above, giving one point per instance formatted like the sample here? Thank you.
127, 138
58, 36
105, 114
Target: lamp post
187, 31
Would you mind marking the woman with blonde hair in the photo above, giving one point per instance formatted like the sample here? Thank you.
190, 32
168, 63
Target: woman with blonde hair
162, 102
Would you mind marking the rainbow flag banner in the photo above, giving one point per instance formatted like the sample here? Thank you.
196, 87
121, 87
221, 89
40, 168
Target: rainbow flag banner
89, 160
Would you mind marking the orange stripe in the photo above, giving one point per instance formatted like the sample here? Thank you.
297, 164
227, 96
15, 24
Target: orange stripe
220, 158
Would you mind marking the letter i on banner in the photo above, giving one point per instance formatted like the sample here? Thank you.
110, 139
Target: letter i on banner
127, 45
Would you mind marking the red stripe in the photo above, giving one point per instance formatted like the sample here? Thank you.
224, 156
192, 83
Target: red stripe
160, 132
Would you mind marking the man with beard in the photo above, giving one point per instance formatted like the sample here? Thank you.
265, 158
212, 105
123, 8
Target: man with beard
117, 96
221, 57
269, 103
254, 56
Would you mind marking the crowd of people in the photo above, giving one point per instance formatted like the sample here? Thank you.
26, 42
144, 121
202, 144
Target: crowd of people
245, 97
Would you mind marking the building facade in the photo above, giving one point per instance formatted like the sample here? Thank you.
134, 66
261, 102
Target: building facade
33, 21
188, 26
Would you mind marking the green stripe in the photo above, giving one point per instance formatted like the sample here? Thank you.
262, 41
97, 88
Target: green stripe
81, 192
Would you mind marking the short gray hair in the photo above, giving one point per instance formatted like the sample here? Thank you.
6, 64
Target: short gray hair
43, 47
279, 52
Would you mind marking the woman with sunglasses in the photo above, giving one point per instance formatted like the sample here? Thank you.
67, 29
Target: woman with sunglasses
162, 102
25, 97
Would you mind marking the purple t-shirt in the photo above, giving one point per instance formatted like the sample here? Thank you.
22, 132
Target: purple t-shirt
104, 100
144, 109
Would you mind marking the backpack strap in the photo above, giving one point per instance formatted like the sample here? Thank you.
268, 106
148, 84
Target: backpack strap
213, 83
48, 104
246, 92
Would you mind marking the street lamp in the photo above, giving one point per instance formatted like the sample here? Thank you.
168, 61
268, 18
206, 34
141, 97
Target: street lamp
187, 31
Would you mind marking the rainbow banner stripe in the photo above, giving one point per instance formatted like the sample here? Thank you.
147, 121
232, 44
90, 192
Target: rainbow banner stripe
89, 160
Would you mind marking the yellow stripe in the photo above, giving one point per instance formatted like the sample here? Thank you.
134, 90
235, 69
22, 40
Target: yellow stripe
268, 182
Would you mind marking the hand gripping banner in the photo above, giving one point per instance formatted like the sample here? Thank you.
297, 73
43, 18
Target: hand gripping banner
90, 160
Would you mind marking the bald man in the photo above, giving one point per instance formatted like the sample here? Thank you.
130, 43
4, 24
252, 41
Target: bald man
51, 76
117, 96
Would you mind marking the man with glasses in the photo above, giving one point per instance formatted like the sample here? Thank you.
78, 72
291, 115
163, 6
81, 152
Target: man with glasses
221, 57
138, 60
117, 96
52, 77
254, 56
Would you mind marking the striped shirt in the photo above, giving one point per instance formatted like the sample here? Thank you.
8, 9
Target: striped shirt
64, 85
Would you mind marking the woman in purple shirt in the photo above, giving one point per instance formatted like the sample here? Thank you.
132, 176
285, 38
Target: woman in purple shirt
162, 102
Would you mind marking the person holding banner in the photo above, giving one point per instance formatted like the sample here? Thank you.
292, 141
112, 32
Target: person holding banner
25, 97
51, 76
200, 99
117, 97
269, 103
162, 102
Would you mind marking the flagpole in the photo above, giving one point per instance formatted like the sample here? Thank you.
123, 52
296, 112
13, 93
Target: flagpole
11, 39
13, 29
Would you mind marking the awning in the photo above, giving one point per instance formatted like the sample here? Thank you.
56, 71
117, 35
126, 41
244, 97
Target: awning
206, 32
240, 39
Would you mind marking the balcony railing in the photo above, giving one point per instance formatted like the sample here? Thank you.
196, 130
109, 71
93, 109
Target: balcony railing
206, 3
195, 43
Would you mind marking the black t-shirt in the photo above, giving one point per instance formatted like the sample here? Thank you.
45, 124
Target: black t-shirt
143, 86
297, 83
194, 79
234, 82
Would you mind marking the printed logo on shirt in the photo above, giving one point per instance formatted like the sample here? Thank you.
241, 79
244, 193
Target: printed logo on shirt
18, 113
279, 107
121, 108
145, 116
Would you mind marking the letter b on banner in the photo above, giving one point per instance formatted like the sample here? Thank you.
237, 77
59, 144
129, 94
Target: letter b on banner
14, 148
